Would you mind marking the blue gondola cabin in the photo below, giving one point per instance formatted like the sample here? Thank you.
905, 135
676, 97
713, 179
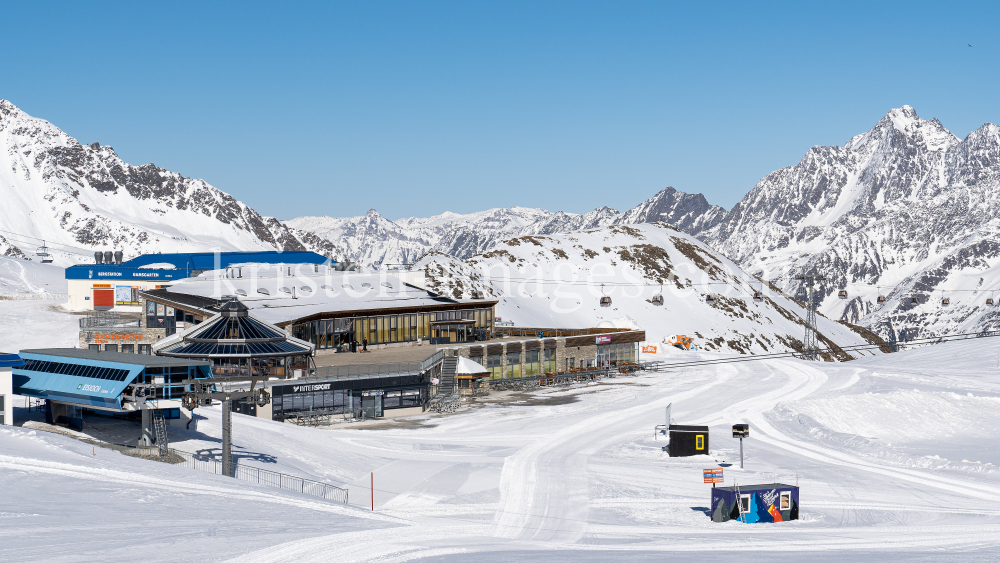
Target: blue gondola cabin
755, 503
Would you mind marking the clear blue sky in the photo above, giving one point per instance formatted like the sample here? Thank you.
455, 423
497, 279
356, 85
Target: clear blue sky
415, 108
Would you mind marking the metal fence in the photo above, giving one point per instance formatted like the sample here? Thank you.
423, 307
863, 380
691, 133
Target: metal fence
243, 473
109, 319
265, 477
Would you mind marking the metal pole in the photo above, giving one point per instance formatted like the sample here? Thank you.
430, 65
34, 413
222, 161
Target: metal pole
227, 444
741, 453
373, 491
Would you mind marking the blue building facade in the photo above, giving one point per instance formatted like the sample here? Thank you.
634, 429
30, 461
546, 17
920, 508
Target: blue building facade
72, 379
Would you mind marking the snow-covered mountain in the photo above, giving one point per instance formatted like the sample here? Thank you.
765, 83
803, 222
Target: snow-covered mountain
80, 198
374, 240
905, 209
558, 280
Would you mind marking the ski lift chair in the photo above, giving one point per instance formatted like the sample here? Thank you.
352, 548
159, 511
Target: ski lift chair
43, 252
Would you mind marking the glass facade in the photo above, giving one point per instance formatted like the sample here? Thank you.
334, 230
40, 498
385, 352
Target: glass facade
532, 363
549, 363
439, 327
513, 364
494, 365
617, 354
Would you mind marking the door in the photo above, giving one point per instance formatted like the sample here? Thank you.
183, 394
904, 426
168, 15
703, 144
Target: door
603, 360
368, 407
104, 299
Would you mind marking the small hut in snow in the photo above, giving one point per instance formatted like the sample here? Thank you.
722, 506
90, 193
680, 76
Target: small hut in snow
470, 375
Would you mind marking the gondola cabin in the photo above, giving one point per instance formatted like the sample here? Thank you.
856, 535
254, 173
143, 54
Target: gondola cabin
710, 299
842, 294
914, 301
881, 299
658, 300
945, 302
688, 440
757, 297
989, 301
751, 504
605, 301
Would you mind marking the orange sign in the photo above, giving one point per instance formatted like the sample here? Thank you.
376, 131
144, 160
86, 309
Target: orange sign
649, 349
102, 285
713, 475
118, 336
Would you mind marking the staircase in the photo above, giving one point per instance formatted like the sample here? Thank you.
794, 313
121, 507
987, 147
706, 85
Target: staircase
160, 427
446, 400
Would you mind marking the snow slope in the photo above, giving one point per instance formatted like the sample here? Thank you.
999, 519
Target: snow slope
79, 198
568, 474
556, 280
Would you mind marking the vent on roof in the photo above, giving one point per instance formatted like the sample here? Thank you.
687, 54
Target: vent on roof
242, 292
348, 286
368, 285
326, 287
306, 288
284, 290
387, 284
264, 291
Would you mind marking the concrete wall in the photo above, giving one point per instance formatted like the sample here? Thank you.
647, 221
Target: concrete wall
406, 411
7, 392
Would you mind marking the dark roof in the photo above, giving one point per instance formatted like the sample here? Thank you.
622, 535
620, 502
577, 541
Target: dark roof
766, 487
183, 300
683, 428
118, 357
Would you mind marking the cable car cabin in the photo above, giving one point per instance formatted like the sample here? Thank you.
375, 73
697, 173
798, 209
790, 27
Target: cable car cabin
605, 301
945, 302
710, 299
757, 297
914, 301
477, 295
658, 300
842, 294
688, 440
775, 502
881, 299
989, 301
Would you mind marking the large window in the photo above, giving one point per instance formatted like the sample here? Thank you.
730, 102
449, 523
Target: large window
513, 364
493, 365
549, 365
532, 364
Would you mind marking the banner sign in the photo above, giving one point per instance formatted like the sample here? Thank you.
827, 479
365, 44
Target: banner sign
712, 475
604, 339
649, 349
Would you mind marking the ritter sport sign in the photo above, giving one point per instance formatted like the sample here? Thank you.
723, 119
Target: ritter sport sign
712, 475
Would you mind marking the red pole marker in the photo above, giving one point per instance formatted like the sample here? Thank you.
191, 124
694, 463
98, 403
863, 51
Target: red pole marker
373, 491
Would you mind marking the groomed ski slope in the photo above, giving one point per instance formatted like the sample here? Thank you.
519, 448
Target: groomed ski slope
895, 455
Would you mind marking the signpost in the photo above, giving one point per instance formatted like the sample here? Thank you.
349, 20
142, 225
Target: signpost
741, 431
713, 475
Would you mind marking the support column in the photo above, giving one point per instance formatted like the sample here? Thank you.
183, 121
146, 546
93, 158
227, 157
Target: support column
146, 436
227, 445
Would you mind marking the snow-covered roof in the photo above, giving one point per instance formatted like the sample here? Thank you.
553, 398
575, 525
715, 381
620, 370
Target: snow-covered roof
281, 299
469, 367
